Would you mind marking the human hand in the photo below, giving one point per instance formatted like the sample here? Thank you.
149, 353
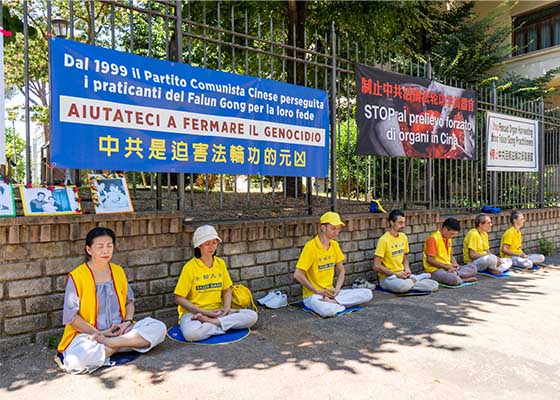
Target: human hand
328, 293
403, 275
213, 313
523, 255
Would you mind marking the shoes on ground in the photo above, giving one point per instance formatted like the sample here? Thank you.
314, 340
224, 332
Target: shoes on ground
361, 283
274, 299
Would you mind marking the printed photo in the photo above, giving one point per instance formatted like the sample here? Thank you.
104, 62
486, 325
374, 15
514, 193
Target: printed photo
7, 205
110, 194
56, 200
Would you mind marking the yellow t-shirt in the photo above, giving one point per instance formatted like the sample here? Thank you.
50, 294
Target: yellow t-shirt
202, 285
513, 238
392, 250
318, 264
476, 241
438, 247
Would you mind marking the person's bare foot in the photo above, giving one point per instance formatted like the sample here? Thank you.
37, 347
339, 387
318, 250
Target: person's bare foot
100, 338
494, 271
470, 279
203, 318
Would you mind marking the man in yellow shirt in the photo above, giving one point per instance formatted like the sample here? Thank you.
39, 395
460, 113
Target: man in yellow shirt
439, 260
511, 244
391, 260
476, 248
315, 271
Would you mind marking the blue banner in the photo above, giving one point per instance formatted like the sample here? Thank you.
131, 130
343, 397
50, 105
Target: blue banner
118, 111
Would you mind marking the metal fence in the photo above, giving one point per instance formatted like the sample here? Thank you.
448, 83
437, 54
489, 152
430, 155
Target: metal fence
231, 39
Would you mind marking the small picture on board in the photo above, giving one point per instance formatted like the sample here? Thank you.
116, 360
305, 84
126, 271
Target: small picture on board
7, 204
55, 200
109, 194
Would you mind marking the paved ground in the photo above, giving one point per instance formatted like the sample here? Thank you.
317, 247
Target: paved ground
496, 340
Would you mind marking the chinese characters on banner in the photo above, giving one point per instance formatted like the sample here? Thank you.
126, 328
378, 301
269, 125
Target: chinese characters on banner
513, 143
118, 111
400, 115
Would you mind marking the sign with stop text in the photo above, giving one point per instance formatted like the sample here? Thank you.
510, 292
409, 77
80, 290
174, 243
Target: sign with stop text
401, 115
119, 111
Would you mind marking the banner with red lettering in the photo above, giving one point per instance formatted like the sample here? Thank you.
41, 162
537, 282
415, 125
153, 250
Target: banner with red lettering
400, 115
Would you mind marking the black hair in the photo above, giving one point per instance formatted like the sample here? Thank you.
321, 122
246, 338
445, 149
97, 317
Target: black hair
514, 215
393, 215
42, 193
451, 224
479, 219
98, 232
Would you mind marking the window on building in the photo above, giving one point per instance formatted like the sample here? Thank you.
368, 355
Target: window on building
537, 30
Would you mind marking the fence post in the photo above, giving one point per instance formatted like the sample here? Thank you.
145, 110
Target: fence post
333, 120
430, 160
541, 153
493, 175
26, 90
179, 40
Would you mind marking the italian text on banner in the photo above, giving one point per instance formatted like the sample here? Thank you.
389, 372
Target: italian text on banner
401, 115
118, 111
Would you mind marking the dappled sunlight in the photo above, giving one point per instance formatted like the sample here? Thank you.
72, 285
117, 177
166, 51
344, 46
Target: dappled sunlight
376, 337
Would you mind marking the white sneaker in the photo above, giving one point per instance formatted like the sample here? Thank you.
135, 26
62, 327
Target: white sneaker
361, 283
278, 301
269, 296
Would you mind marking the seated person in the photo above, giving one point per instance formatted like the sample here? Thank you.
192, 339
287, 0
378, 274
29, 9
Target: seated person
99, 310
511, 244
315, 271
439, 260
476, 248
203, 292
391, 260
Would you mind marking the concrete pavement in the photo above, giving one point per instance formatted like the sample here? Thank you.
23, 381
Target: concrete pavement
495, 340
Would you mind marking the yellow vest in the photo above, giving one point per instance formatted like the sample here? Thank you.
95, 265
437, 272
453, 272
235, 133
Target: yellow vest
83, 280
443, 253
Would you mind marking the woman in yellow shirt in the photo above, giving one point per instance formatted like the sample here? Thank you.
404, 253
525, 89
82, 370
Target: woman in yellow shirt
511, 244
203, 292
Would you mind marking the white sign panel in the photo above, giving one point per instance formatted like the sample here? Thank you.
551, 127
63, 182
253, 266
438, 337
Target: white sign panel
513, 143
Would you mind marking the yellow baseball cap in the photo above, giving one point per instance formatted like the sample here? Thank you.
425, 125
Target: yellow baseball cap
332, 218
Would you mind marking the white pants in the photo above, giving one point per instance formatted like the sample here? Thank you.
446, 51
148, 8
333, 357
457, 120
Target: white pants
491, 261
399, 285
345, 298
194, 330
84, 353
527, 262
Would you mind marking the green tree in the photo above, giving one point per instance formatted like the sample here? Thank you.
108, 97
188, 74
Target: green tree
15, 141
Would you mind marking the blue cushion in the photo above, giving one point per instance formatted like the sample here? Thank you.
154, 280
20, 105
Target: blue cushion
411, 292
347, 310
233, 335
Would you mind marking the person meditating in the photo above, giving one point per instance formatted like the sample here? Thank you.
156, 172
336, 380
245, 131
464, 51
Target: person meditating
391, 260
203, 292
439, 260
511, 245
476, 248
315, 271
98, 311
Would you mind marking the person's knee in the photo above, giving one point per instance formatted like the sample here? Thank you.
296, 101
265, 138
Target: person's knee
403, 286
366, 295
193, 335
252, 317
454, 279
160, 329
